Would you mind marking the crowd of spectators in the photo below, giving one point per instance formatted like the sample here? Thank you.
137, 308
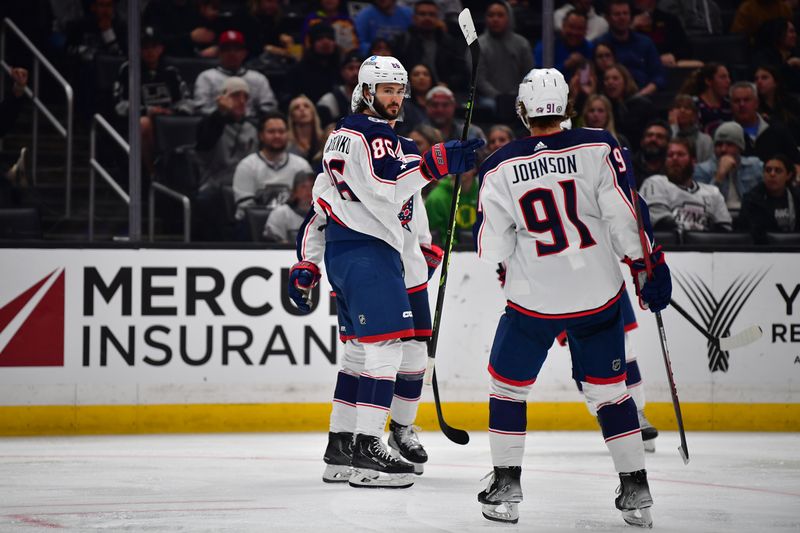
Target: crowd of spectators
276, 76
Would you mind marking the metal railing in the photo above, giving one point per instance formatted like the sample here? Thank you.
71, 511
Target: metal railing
65, 130
183, 199
95, 166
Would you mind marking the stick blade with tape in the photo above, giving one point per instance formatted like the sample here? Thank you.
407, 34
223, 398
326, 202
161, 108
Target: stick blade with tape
467, 26
743, 338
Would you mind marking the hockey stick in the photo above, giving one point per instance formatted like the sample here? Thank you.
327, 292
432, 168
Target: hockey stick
683, 450
731, 342
459, 436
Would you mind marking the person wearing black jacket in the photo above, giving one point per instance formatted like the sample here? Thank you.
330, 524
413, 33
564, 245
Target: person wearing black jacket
427, 42
772, 206
318, 72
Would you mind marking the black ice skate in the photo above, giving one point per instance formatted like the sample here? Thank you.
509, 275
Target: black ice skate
649, 433
634, 498
499, 500
374, 467
337, 458
404, 442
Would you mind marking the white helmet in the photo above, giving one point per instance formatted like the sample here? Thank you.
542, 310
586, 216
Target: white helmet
375, 70
543, 92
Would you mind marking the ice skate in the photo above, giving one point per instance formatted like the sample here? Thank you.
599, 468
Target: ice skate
337, 458
634, 498
374, 467
499, 500
404, 442
649, 433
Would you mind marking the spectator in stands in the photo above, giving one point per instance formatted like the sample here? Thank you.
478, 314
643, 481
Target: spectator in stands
582, 85
597, 113
772, 206
266, 29
13, 183
761, 138
683, 120
634, 50
666, 32
318, 72
728, 166
710, 86
631, 111
224, 138
439, 202
596, 25
751, 14
380, 47
602, 59
384, 19
651, 158
335, 104
305, 130
98, 33
777, 47
571, 49
273, 164
421, 80
698, 17
677, 201
440, 108
505, 56
186, 33
425, 136
209, 83
499, 136
163, 92
330, 12
428, 42
285, 220
775, 104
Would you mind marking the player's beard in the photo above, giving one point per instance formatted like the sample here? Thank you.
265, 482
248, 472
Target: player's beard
384, 113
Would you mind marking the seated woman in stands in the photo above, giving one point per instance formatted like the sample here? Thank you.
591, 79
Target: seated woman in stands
772, 206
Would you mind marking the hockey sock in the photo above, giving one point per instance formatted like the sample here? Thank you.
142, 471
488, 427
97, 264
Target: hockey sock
508, 420
376, 386
343, 413
408, 387
634, 383
620, 424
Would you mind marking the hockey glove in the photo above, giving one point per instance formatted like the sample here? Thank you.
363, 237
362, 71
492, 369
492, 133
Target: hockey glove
655, 293
452, 157
303, 277
433, 256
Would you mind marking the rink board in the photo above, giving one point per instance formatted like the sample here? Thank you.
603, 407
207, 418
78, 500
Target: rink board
120, 341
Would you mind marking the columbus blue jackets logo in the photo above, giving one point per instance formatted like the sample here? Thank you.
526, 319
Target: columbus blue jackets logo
406, 213
718, 314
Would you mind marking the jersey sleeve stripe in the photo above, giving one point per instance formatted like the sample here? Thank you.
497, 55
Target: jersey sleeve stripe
329, 211
621, 192
305, 234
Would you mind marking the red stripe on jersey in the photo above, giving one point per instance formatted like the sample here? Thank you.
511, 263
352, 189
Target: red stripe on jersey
576, 314
418, 288
388, 336
329, 211
605, 381
305, 235
507, 381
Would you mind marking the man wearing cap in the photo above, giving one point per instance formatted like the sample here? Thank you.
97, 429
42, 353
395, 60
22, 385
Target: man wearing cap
232, 53
335, 104
728, 166
163, 91
440, 107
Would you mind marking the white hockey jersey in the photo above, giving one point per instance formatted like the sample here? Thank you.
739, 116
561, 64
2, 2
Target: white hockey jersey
369, 178
558, 210
412, 218
698, 207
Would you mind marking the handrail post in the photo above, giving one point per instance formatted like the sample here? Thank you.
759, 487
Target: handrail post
35, 140
151, 208
187, 219
70, 116
92, 140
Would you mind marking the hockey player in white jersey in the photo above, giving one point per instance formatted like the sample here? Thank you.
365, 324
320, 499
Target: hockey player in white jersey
556, 207
420, 260
368, 185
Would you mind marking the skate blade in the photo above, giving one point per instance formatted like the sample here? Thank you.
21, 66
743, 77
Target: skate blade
337, 473
419, 468
372, 479
638, 518
507, 512
650, 446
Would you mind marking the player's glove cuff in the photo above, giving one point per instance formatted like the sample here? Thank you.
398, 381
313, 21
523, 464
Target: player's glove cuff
305, 275
433, 257
654, 293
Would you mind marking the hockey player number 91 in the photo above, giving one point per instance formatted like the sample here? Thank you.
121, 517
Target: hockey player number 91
551, 221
